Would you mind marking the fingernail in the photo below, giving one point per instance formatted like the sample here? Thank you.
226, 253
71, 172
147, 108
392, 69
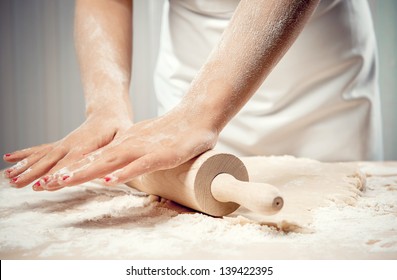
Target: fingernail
14, 180
107, 179
8, 172
110, 178
7, 155
45, 179
43, 182
37, 186
64, 178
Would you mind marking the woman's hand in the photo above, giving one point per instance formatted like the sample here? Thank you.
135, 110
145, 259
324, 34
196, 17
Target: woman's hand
32, 163
157, 144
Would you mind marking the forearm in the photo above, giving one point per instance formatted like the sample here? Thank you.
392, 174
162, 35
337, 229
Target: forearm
259, 34
103, 31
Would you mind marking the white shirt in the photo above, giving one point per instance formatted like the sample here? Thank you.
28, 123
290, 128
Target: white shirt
320, 101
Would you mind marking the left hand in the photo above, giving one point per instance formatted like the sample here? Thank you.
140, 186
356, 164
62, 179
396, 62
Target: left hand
161, 143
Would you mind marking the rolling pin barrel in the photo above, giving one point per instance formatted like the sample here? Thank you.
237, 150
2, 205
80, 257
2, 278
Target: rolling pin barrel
213, 183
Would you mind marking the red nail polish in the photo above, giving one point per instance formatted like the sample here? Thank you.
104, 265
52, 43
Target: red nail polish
37, 184
107, 179
15, 179
7, 155
65, 177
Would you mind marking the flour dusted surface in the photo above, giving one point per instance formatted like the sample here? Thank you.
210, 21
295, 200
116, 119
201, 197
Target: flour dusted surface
97, 222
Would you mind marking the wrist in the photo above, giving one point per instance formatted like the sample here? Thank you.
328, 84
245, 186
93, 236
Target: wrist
196, 117
211, 105
110, 107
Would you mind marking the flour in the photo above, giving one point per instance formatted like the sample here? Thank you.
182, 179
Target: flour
104, 62
64, 172
27, 171
367, 218
106, 54
96, 222
19, 165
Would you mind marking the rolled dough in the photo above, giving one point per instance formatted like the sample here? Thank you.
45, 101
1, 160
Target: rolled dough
305, 184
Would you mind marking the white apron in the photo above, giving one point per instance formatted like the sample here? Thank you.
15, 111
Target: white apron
321, 100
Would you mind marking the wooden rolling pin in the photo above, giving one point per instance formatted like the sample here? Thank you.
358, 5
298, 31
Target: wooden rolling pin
212, 183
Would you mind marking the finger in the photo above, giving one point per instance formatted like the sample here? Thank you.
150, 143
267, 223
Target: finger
16, 169
22, 154
38, 185
91, 167
145, 164
69, 159
26, 163
38, 169
89, 151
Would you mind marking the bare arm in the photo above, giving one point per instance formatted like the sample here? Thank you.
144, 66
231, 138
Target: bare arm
259, 34
103, 37
103, 44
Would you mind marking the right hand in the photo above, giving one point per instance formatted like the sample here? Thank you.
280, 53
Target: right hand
35, 162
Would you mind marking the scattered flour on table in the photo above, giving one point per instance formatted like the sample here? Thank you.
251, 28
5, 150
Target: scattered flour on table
96, 222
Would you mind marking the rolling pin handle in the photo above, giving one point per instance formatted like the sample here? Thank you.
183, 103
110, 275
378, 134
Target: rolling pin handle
257, 197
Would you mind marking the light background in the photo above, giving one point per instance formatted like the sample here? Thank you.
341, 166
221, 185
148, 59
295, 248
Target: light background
41, 94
